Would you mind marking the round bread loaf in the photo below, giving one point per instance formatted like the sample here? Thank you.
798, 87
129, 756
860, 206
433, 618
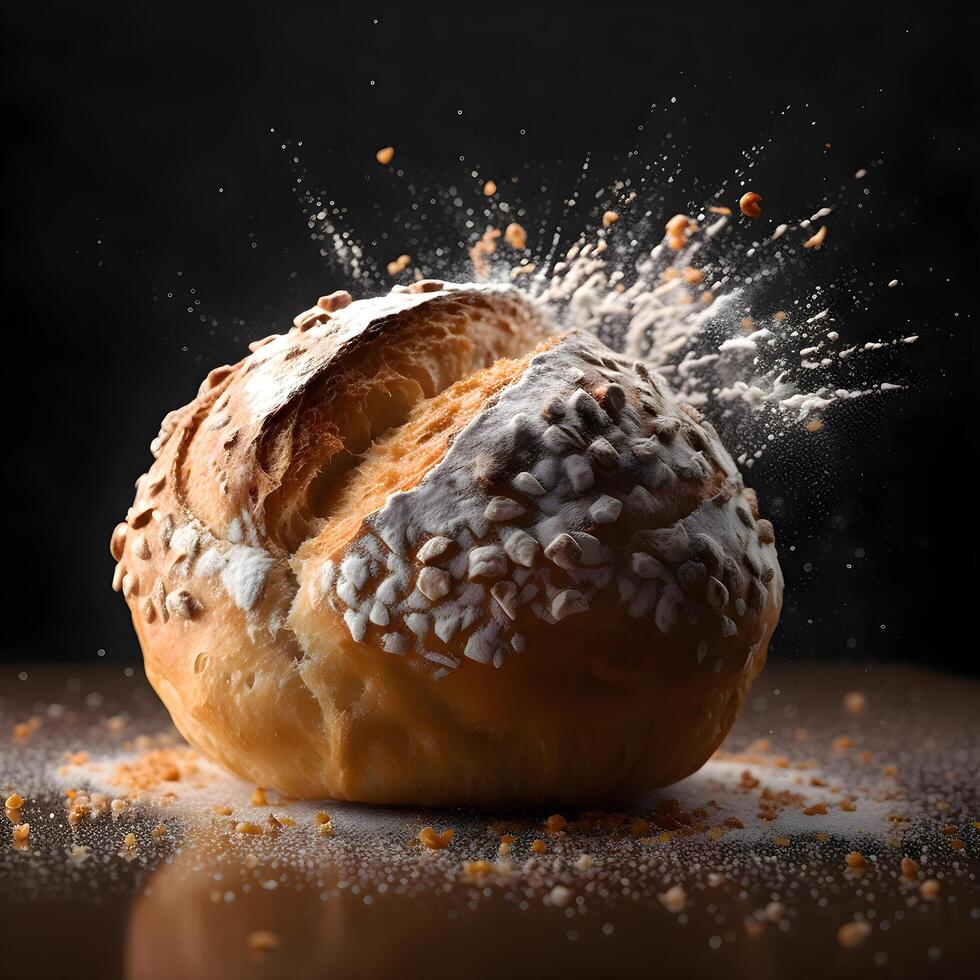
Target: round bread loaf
425, 549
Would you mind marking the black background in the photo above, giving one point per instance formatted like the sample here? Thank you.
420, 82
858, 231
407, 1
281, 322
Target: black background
122, 123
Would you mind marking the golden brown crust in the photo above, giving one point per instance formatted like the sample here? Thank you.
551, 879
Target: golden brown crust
410, 554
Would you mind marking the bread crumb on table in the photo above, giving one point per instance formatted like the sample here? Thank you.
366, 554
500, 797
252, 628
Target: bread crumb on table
674, 899
852, 934
435, 840
262, 942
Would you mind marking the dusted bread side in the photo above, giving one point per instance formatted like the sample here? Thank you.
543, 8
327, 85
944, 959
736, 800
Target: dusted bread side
423, 549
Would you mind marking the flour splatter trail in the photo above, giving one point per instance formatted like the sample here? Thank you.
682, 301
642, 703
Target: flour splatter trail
730, 311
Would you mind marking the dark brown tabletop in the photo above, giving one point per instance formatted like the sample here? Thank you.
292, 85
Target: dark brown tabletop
782, 857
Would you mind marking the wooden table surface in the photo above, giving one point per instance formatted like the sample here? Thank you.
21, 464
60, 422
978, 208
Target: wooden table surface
741, 870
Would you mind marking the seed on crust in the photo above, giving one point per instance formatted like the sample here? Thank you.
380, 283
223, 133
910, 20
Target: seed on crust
426, 286
605, 510
338, 300
117, 543
507, 597
503, 509
434, 549
529, 484
434, 583
489, 561
568, 603
564, 551
522, 549
182, 604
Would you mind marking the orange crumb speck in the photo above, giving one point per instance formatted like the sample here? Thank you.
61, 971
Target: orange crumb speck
910, 868
848, 805
609, 218
23, 730
247, 827
399, 265
434, 840
159, 831
814, 425
815, 809
20, 832
14, 802
489, 188
539, 846
262, 941
852, 934
823, 836
775, 911
956, 844
750, 204
674, 899
258, 797
855, 702
515, 236
385, 155
555, 824
782, 841
639, 827
477, 868
815, 241
222, 809
929, 889
720, 210
890, 771
322, 817
855, 859
679, 229
129, 841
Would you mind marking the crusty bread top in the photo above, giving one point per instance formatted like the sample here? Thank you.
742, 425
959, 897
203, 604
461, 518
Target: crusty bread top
428, 475
244, 466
